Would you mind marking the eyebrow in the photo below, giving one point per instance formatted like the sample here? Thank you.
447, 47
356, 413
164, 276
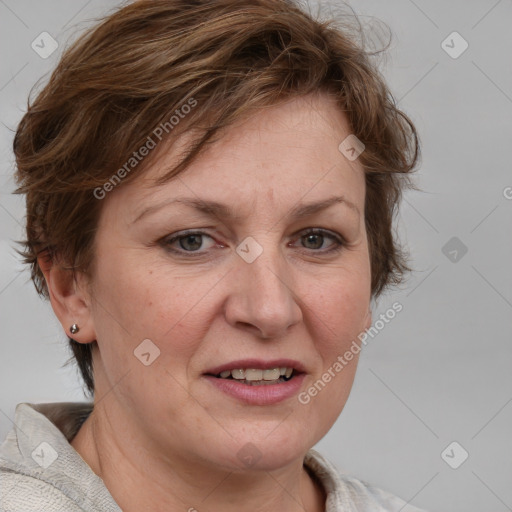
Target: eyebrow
223, 211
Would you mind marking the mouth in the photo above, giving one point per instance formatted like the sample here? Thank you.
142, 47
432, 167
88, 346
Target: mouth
258, 376
258, 382
257, 372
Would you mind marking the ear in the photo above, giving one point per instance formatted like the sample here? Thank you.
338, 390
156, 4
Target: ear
69, 298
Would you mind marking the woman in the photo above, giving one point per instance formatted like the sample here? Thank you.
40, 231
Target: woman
210, 191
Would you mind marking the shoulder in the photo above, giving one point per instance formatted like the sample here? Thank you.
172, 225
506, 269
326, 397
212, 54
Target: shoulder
41, 471
347, 493
20, 492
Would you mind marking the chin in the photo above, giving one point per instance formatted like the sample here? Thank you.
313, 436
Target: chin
266, 452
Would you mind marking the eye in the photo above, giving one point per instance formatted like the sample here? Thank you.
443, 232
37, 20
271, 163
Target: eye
314, 239
192, 243
187, 242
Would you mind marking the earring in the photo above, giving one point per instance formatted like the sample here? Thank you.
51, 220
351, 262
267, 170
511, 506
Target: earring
74, 329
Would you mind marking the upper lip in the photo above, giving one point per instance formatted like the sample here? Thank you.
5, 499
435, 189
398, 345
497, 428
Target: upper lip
257, 363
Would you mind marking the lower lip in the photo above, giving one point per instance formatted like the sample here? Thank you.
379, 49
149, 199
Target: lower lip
259, 395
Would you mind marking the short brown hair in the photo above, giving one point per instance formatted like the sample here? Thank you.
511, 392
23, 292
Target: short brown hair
126, 75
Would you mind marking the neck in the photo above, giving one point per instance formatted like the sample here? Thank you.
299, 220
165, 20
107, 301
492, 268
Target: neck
141, 478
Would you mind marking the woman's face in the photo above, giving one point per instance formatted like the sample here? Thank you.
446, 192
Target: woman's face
248, 290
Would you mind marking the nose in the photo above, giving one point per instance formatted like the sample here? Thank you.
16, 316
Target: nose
261, 299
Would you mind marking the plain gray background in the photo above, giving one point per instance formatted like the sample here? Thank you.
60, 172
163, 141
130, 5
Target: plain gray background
441, 370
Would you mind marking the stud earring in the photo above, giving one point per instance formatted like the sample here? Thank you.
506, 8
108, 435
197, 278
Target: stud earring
74, 329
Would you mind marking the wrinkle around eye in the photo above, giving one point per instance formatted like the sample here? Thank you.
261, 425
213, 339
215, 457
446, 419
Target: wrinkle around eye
338, 242
184, 236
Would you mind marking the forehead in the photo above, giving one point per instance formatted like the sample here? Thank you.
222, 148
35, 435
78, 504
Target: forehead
279, 155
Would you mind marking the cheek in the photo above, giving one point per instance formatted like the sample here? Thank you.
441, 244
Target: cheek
339, 317
140, 301
339, 308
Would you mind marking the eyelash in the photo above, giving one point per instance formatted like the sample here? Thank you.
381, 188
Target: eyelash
339, 242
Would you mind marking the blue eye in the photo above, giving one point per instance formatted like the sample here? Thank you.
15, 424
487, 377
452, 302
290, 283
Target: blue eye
189, 244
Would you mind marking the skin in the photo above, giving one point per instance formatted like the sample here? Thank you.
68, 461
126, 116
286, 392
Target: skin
162, 437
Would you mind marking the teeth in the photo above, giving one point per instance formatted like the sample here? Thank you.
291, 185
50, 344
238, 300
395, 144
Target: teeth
272, 374
262, 382
255, 374
238, 374
252, 374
